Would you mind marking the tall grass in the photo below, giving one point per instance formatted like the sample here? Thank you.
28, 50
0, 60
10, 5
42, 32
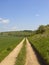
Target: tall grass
41, 43
22, 56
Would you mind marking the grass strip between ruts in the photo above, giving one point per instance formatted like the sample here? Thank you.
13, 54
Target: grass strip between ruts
20, 60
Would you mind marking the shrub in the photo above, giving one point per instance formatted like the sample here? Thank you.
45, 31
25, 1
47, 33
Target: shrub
41, 29
8, 49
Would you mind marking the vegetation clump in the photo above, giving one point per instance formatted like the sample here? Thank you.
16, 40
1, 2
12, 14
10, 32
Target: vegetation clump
41, 29
22, 56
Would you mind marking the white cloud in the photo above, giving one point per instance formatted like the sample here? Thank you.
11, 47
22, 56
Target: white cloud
37, 15
13, 28
4, 21
0, 20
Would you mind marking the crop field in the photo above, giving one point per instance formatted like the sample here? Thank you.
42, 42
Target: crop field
7, 44
41, 43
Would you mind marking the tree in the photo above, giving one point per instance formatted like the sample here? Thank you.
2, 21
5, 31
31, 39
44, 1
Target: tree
41, 29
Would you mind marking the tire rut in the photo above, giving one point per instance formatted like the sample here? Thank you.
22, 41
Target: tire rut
31, 58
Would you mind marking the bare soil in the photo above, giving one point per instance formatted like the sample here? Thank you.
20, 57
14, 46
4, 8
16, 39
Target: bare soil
31, 58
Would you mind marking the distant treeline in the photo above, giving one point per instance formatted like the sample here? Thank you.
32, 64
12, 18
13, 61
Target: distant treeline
26, 33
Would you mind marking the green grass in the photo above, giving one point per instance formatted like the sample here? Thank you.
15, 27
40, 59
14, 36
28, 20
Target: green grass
22, 56
41, 43
7, 44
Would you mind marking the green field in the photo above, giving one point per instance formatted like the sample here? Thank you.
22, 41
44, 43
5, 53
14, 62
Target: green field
39, 38
41, 43
8, 41
21, 59
7, 44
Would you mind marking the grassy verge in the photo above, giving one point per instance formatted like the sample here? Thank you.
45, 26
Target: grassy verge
7, 44
22, 56
41, 43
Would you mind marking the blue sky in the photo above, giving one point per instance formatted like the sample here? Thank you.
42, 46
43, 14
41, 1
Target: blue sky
23, 14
